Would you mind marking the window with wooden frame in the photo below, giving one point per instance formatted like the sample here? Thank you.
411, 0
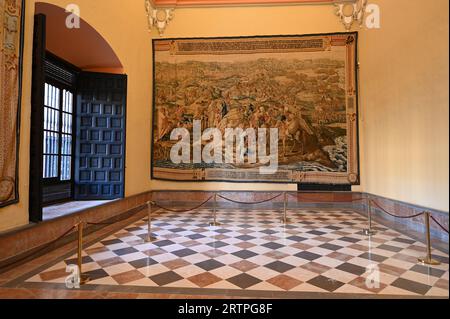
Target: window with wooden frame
58, 132
58, 129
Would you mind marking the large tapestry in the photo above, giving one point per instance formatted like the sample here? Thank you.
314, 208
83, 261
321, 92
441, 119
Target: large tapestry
10, 86
299, 93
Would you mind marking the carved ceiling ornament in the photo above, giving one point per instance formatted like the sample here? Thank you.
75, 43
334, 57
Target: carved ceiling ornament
350, 12
158, 18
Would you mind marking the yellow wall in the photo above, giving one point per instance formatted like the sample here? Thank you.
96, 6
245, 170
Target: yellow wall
404, 107
405, 103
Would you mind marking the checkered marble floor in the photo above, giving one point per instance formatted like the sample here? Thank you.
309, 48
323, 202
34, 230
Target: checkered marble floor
320, 251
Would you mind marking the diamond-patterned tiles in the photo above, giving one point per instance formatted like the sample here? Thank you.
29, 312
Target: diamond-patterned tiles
320, 251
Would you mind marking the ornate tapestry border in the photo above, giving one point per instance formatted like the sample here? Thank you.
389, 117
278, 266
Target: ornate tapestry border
352, 177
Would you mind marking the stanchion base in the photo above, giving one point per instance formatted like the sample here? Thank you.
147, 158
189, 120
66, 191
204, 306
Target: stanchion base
369, 232
84, 279
150, 239
429, 261
286, 222
215, 224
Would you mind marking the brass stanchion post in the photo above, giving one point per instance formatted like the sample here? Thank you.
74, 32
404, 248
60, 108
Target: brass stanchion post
285, 220
428, 260
83, 278
215, 222
369, 231
150, 238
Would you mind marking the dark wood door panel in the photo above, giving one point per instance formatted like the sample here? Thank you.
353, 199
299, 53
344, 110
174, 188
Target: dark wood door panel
101, 121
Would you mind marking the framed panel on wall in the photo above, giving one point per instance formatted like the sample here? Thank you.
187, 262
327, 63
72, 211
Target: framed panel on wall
11, 45
303, 88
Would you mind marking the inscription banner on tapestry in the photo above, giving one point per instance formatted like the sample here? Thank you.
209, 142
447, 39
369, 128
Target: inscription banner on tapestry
302, 86
10, 69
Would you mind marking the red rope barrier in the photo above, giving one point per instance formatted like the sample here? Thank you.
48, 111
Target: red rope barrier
183, 211
439, 224
253, 203
396, 216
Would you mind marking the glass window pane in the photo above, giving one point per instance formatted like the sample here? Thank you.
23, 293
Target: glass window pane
54, 144
64, 100
45, 143
55, 119
52, 119
56, 127
57, 105
45, 175
52, 95
46, 94
55, 92
67, 123
66, 168
51, 143
56, 122
67, 101
50, 166
70, 102
44, 169
45, 118
66, 148
55, 97
54, 166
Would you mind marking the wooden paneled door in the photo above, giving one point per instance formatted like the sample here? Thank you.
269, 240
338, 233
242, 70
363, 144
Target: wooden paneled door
100, 145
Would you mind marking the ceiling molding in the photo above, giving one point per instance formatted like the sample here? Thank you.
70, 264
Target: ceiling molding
209, 3
161, 12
